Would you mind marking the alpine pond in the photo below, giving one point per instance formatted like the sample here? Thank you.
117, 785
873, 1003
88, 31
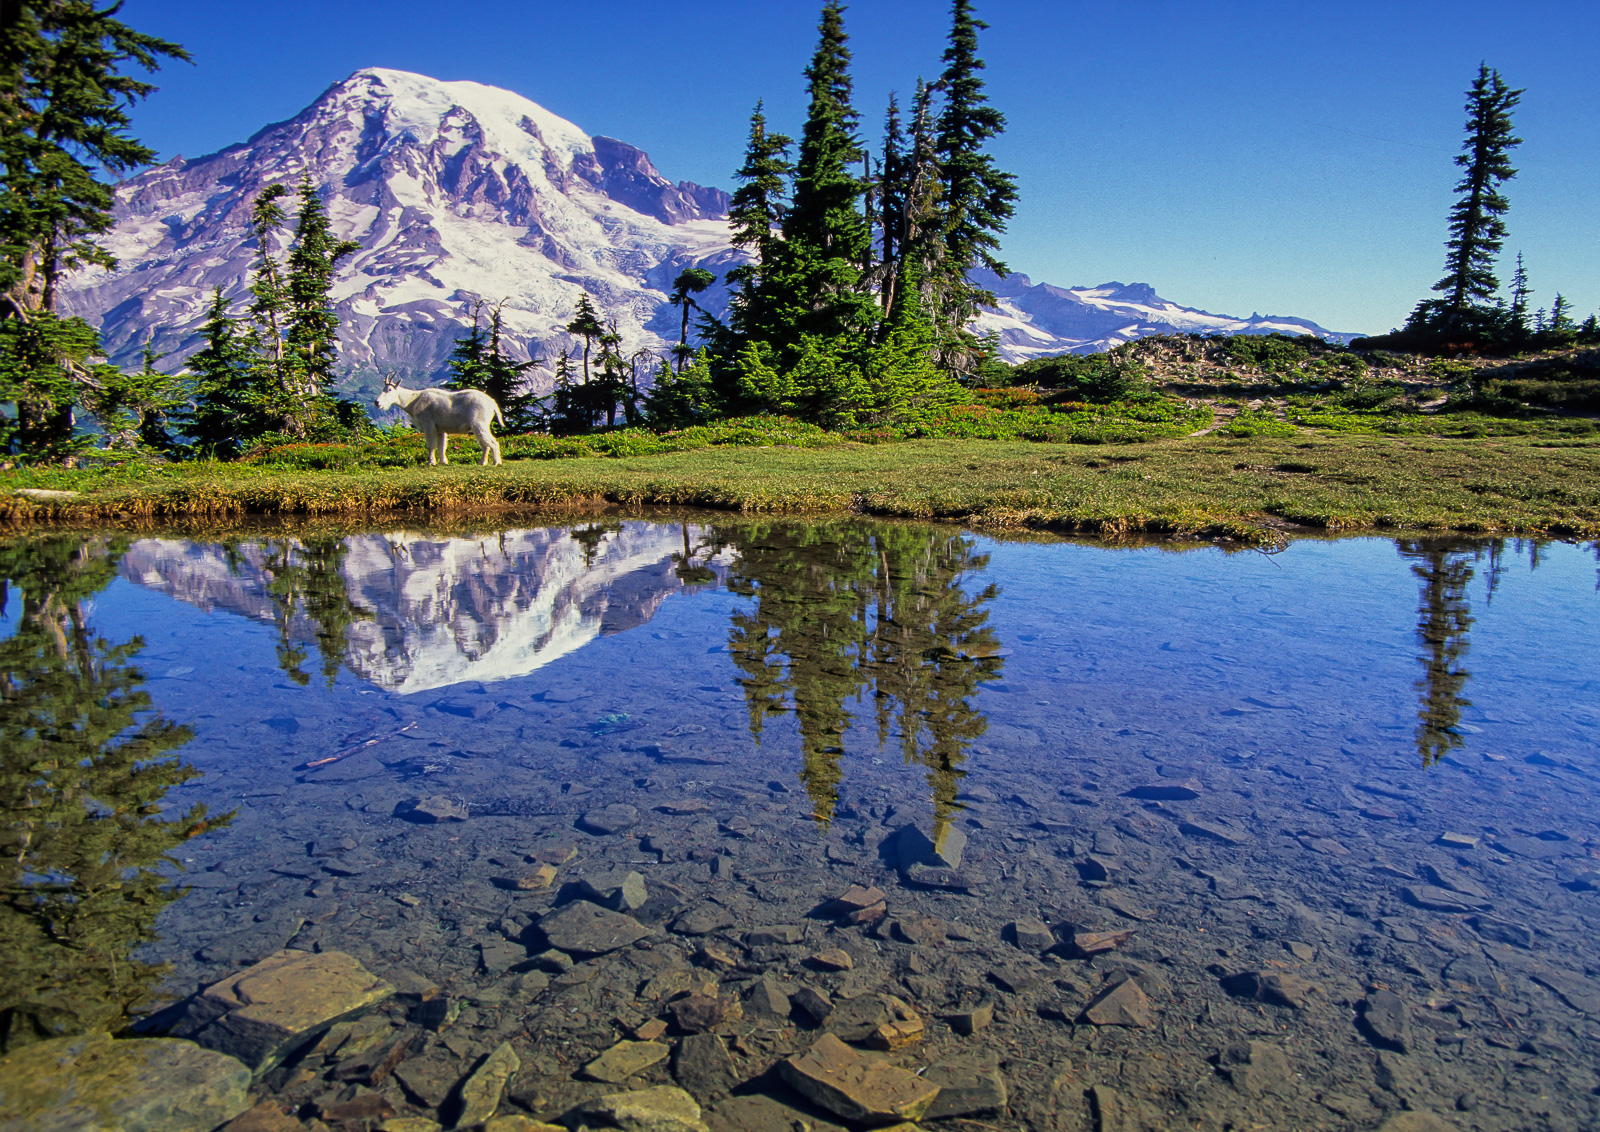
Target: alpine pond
741, 824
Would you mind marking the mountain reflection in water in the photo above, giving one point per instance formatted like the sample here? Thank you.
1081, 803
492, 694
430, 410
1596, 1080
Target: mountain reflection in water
840, 611
84, 765
413, 613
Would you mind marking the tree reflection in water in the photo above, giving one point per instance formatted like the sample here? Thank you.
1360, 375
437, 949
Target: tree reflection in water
305, 578
84, 765
842, 610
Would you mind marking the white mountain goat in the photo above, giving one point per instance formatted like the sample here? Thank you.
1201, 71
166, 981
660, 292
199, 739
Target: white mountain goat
442, 413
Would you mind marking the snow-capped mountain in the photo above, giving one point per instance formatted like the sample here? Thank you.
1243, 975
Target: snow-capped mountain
1039, 319
457, 193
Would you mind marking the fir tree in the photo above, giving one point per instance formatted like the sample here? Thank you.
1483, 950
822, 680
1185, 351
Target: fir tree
313, 328
1477, 229
479, 362
610, 386
978, 198
137, 409
825, 215
227, 409
922, 251
755, 215
691, 281
678, 400
1561, 315
892, 190
569, 400
586, 324
269, 311
1519, 296
64, 100
825, 235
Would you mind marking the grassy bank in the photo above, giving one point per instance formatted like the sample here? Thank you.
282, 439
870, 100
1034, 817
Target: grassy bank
1197, 485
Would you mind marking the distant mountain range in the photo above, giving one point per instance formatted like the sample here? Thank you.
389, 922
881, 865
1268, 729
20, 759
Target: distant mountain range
459, 192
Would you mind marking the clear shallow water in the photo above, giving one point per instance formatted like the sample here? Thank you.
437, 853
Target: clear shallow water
1248, 760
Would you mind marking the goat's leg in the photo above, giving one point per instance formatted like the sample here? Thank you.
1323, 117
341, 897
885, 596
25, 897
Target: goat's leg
444, 447
487, 442
432, 438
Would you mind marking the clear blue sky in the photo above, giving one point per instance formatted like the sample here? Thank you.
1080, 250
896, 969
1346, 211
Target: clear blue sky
1286, 158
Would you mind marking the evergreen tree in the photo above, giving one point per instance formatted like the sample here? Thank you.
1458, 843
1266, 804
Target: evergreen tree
1561, 315
978, 198
1519, 296
691, 281
137, 409
1477, 229
892, 188
269, 313
46, 366
64, 102
313, 328
825, 216
681, 399
227, 409
825, 235
611, 385
569, 401
921, 197
479, 362
755, 216
586, 323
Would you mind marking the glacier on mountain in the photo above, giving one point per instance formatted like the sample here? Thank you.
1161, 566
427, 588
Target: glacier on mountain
460, 193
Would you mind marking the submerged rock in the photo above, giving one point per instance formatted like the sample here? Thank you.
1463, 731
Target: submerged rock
855, 1086
704, 920
433, 808
663, 1108
1253, 1067
586, 929
624, 1059
970, 1084
1273, 989
1385, 1021
481, 1092
620, 890
1122, 1004
703, 1066
609, 819
268, 1010
136, 1085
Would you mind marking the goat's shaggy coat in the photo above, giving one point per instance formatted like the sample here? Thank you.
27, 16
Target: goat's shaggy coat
442, 413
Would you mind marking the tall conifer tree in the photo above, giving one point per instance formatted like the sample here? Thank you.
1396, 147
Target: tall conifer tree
755, 215
227, 409
1477, 227
63, 101
313, 330
825, 234
978, 197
